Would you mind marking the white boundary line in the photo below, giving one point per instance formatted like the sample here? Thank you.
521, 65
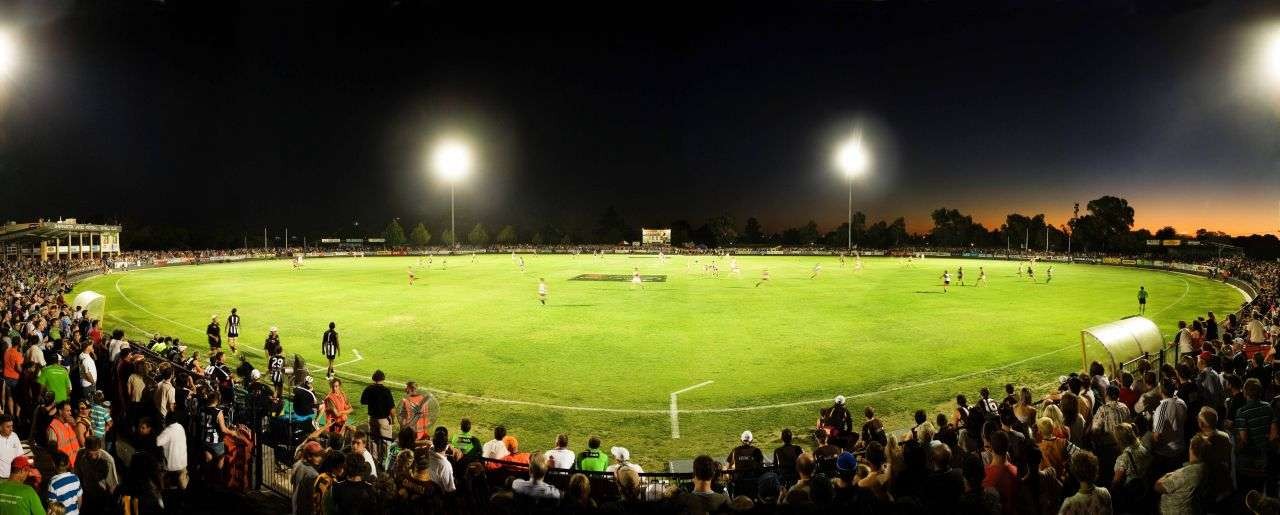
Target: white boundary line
1186, 287
675, 409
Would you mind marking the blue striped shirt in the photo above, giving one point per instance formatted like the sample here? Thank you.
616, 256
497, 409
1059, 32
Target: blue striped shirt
65, 488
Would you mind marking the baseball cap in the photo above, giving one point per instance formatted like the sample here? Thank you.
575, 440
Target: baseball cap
21, 463
846, 462
747, 436
620, 453
839, 399
255, 375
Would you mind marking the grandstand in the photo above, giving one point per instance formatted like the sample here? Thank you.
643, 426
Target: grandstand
59, 240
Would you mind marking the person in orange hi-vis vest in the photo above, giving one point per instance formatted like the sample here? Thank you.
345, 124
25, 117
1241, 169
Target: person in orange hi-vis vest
62, 432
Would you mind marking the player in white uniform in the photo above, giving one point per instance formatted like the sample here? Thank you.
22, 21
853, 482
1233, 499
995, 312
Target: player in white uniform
733, 267
635, 279
233, 329
542, 291
521, 265
817, 268
946, 280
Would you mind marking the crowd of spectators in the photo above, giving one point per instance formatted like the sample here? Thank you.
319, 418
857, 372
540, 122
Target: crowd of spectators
94, 423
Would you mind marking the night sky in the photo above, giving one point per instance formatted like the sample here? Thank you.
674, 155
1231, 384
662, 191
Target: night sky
313, 115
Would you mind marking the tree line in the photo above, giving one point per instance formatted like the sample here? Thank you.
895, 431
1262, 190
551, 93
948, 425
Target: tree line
1105, 225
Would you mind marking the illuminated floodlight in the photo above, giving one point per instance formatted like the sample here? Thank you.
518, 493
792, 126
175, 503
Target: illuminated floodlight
852, 158
8, 54
452, 160
1271, 56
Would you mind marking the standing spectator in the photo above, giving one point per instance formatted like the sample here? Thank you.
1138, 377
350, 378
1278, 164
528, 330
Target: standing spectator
1218, 455
377, 400
100, 415
1112, 413
944, 485
54, 377
360, 445
354, 495
64, 486
173, 443
1000, 474
799, 492
1253, 425
977, 499
1180, 489
10, 445
13, 361
1130, 475
62, 434
16, 497
84, 421
97, 472
336, 407
331, 470
303, 477
561, 457
1167, 425
215, 429
441, 471
304, 403
1089, 499
88, 373
414, 412
166, 396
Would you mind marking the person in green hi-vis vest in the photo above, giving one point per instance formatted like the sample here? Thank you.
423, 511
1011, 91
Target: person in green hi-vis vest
593, 458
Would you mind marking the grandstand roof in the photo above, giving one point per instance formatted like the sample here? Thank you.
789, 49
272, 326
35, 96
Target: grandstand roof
42, 230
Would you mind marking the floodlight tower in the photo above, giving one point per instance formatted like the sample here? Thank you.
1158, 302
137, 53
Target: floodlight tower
852, 160
452, 160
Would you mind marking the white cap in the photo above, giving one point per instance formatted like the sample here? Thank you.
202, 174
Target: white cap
215, 316
273, 329
307, 380
747, 436
620, 453
255, 375
839, 399
182, 348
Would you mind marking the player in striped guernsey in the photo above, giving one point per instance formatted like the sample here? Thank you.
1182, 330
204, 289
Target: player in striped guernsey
329, 346
233, 329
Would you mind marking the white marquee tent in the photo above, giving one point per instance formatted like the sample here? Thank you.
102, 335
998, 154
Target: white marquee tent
1120, 341
93, 303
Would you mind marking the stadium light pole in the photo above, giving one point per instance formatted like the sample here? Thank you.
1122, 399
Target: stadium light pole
852, 159
452, 160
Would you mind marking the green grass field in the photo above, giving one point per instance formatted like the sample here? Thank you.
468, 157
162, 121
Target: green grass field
602, 358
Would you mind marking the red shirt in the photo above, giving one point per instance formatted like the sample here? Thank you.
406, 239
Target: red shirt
1128, 397
1005, 480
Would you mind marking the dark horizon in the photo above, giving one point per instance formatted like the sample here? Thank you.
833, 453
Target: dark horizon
238, 115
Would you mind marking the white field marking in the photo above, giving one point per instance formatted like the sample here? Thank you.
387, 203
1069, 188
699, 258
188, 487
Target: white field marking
675, 410
130, 324
336, 365
1186, 287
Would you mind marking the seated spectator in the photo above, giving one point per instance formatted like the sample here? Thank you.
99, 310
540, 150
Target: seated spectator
875, 482
535, 486
622, 459
561, 457
1089, 499
799, 492
577, 498
703, 499
593, 459
469, 445
784, 457
495, 449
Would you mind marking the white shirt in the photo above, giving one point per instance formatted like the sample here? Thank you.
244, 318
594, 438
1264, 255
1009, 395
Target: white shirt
441, 471
563, 458
373, 467
1257, 333
614, 468
174, 442
10, 448
88, 371
538, 489
114, 347
35, 354
1184, 341
165, 396
495, 450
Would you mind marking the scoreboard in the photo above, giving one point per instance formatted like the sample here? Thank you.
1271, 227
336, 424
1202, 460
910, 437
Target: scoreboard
655, 236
